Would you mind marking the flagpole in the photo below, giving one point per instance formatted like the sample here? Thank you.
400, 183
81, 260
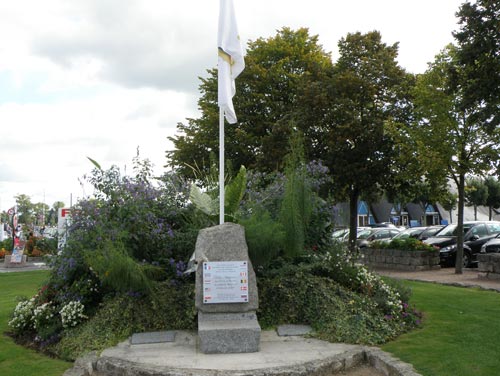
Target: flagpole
221, 165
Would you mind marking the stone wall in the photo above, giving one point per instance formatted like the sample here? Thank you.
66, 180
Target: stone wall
489, 265
400, 260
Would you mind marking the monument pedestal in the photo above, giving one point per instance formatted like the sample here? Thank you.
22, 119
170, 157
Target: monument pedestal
222, 333
8, 263
225, 327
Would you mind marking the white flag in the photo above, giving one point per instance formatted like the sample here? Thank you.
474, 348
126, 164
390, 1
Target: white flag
231, 62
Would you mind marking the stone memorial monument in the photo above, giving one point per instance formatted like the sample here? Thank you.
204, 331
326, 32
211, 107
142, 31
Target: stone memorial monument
226, 292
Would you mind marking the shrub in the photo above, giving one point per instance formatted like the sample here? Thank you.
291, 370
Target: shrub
336, 313
72, 314
124, 314
264, 237
408, 244
22, 317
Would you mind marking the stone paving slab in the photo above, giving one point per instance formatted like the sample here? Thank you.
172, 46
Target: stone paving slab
278, 356
152, 337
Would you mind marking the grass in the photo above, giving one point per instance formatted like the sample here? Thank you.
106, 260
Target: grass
16, 360
460, 335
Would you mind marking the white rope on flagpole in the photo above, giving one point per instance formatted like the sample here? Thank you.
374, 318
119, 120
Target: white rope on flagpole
221, 165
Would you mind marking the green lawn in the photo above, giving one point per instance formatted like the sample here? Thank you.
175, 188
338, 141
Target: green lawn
16, 360
460, 335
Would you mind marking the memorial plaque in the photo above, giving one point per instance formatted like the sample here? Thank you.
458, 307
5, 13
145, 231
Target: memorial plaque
225, 282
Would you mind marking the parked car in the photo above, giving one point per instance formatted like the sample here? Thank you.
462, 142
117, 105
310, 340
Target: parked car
342, 235
430, 231
412, 232
492, 245
366, 237
476, 233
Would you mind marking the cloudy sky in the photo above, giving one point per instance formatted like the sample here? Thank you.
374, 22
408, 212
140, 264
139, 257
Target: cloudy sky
100, 78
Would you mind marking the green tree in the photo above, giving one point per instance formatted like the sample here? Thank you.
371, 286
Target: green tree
493, 200
476, 194
25, 209
40, 211
450, 134
476, 72
449, 203
367, 91
269, 94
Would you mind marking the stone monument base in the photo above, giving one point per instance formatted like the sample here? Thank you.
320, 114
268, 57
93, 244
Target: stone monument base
8, 264
224, 333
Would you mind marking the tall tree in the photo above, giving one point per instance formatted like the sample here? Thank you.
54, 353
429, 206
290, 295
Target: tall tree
476, 193
449, 203
449, 132
493, 200
475, 80
269, 93
24, 208
476, 74
367, 91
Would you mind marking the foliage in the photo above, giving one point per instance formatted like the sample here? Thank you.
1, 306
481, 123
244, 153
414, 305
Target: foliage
476, 194
407, 244
22, 317
115, 269
72, 314
342, 302
493, 200
124, 314
208, 203
368, 90
296, 206
264, 236
476, 73
448, 133
278, 72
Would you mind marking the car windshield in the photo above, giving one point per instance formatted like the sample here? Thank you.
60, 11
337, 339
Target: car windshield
339, 233
451, 230
407, 233
365, 234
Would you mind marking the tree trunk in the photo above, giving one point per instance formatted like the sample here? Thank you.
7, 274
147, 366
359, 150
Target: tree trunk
475, 212
490, 213
353, 218
460, 224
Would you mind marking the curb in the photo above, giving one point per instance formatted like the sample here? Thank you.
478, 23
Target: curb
93, 365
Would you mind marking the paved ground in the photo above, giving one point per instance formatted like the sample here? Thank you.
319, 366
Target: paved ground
469, 277
278, 356
29, 266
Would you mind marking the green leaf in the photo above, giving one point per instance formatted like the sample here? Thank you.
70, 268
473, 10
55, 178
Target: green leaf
97, 165
234, 192
202, 201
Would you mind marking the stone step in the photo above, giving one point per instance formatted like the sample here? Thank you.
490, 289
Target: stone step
224, 333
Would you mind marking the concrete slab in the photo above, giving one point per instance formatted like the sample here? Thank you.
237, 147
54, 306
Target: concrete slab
152, 337
277, 356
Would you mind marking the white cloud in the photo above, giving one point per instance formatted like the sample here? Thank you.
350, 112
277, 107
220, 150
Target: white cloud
99, 78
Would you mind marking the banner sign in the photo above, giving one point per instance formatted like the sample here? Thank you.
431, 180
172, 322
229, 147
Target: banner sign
17, 255
225, 282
